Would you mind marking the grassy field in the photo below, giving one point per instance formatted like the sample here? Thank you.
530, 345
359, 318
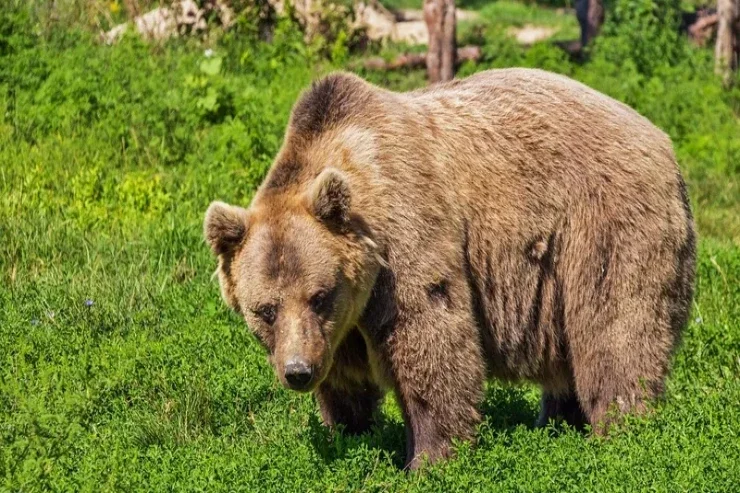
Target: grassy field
120, 368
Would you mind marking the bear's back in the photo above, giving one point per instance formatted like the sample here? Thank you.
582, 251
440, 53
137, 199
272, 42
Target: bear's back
543, 138
544, 115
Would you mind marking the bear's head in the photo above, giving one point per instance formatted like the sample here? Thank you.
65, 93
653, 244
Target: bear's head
299, 267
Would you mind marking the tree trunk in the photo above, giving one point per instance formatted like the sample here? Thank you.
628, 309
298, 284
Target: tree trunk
728, 30
439, 16
595, 17
590, 14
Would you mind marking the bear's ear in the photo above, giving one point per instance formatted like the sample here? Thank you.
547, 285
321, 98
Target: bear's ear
329, 197
225, 227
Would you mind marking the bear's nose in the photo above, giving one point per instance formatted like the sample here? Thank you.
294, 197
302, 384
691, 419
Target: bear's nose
298, 374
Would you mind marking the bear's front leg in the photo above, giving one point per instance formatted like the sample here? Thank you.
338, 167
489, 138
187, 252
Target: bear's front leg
439, 373
348, 396
353, 407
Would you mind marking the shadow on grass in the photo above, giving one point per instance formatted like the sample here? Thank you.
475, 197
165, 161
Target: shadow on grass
386, 437
507, 407
504, 409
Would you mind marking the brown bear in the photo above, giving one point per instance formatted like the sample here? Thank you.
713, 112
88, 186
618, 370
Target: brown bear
514, 224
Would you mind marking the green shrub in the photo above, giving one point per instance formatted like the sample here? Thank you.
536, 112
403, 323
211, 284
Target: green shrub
644, 32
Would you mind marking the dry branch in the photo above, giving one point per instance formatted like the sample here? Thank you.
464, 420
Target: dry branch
701, 30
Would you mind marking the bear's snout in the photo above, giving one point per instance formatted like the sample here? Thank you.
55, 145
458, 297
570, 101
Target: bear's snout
298, 374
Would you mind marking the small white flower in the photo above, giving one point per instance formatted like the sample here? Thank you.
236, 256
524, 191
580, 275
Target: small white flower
208, 53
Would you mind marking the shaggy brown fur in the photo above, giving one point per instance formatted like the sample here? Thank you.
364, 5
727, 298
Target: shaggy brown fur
514, 224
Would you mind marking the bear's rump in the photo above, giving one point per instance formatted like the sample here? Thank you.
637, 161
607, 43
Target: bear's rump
599, 283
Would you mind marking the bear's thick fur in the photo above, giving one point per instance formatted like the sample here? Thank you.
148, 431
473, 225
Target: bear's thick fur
514, 224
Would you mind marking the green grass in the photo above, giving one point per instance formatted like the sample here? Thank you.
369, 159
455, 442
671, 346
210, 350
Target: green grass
109, 157
495, 18
511, 13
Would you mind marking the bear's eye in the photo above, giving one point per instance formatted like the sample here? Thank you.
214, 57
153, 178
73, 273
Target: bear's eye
268, 313
321, 301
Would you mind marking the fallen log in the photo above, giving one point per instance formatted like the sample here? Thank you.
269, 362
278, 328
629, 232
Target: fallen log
417, 60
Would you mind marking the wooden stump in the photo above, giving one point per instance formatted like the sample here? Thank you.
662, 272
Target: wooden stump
728, 31
439, 16
590, 15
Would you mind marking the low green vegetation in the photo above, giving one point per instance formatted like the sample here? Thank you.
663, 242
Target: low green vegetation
120, 368
507, 13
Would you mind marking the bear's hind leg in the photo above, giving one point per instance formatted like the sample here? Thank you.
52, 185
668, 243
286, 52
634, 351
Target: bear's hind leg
605, 402
561, 407
621, 330
622, 369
